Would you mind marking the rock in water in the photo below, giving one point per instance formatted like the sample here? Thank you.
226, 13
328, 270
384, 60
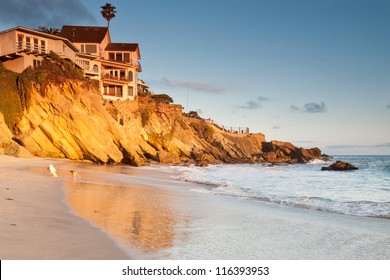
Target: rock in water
339, 166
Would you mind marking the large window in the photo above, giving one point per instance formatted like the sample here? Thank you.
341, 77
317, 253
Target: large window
112, 90
119, 56
90, 48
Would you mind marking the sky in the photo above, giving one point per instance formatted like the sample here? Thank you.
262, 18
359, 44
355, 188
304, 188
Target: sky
312, 72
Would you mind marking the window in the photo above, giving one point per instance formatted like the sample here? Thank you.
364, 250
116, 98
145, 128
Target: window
36, 63
111, 56
111, 90
130, 91
122, 74
126, 57
43, 46
35, 45
90, 48
131, 76
82, 49
119, 92
20, 41
119, 57
28, 43
95, 68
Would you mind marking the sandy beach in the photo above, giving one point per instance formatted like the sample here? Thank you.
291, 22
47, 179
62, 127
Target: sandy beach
121, 212
35, 221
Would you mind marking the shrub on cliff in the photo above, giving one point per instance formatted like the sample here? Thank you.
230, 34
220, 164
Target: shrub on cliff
164, 98
204, 130
10, 104
52, 70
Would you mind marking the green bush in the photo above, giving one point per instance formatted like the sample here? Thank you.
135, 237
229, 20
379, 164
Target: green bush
164, 98
10, 105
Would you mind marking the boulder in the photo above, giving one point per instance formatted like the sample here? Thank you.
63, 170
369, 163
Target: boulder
339, 166
7, 145
167, 157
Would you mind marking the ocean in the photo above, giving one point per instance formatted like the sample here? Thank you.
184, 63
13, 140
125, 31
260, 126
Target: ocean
240, 212
362, 192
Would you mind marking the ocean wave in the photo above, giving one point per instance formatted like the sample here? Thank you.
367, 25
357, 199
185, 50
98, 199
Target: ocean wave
386, 168
366, 193
318, 161
354, 208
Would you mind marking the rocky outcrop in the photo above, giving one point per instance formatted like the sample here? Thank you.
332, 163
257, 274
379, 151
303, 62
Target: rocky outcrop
339, 166
7, 145
284, 152
72, 121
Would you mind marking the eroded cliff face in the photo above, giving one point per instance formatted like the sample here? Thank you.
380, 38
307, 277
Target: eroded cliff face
70, 121
7, 145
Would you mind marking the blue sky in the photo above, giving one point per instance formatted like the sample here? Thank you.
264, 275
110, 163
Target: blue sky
312, 72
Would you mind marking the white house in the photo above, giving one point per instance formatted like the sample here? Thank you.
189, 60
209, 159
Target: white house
114, 65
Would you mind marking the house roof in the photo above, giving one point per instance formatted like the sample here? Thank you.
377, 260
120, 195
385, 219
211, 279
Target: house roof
122, 47
84, 34
130, 47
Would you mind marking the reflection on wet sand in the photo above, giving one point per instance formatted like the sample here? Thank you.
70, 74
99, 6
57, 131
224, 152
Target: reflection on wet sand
137, 216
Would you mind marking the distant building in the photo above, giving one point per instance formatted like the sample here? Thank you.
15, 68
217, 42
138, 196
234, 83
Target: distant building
114, 65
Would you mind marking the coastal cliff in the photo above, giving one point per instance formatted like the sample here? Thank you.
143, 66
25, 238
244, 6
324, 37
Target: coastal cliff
71, 120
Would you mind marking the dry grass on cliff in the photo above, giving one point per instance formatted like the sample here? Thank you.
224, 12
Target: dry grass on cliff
203, 129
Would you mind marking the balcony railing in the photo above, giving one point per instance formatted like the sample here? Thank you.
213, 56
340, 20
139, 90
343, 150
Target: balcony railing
133, 64
112, 77
23, 46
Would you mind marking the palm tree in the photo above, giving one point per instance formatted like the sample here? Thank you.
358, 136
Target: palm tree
51, 30
108, 12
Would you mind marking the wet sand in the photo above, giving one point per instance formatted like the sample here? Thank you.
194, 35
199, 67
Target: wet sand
120, 212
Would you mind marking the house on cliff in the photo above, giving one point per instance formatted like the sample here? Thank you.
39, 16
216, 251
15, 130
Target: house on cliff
114, 65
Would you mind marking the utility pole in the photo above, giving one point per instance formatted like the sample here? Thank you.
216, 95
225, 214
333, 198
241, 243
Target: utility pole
187, 99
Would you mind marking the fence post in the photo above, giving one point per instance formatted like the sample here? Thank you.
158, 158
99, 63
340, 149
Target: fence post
247, 130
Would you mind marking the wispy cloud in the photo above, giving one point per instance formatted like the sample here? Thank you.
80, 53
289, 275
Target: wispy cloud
388, 106
311, 107
254, 104
191, 85
276, 127
250, 105
382, 145
53, 13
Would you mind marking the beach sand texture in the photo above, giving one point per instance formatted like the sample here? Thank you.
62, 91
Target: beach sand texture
121, 212
36, 223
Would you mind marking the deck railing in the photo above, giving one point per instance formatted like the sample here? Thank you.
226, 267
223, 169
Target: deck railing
230, 129
23, 46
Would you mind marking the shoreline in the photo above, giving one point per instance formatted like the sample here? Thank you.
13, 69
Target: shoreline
143, 213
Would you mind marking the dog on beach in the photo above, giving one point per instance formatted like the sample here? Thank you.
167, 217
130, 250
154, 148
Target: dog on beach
74, 173
52, 170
